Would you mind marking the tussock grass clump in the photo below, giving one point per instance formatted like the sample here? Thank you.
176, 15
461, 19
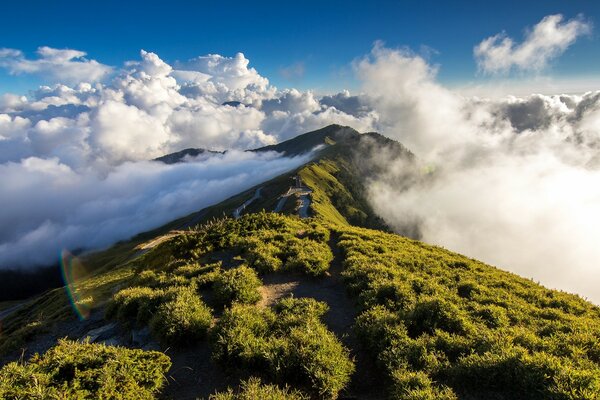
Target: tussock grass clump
253, 389
183, 319
239, 284
287, 344
73, 370
273, 251
137, 304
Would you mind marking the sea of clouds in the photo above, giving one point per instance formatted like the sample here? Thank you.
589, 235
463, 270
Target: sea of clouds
513, 181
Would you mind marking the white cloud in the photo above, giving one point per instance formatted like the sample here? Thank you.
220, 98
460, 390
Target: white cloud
547, 40
73, 158
513, 178
59, 65
47, 206
150, 108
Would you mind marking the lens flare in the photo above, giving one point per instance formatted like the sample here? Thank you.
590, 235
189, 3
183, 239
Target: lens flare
73, 271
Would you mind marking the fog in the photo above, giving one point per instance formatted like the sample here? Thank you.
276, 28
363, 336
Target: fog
47, 206
513, 182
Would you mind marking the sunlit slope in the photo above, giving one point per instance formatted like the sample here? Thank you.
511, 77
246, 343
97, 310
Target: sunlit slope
436, 324
246, 303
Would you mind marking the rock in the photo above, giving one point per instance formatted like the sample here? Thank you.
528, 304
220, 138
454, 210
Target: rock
140, 337
113, 341
102, 333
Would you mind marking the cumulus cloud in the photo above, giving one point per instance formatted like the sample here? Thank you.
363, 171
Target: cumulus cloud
547, 40
61, 65
47, 206
509, 181
150, 108
74, 166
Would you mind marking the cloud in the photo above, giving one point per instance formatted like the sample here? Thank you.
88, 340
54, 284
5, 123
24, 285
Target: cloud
47, 206
546, 41
293, 72
74, 156
510, 181
59, 65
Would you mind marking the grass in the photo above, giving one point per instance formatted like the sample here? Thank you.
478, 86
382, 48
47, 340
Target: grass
442, 325
253, 389
73, 370
287, 344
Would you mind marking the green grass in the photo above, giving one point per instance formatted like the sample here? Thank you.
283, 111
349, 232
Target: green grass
239, 284
73, 370
287, 344
253, 389
442, 325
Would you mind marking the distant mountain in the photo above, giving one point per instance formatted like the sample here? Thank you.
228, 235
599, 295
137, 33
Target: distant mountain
306, 142
180, 156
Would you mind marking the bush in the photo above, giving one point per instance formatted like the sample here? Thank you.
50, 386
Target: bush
264, 257
409, 385
288, 344
183, 319
73, 370
136, 303
432, 313
252, 389
239, 284
307, 256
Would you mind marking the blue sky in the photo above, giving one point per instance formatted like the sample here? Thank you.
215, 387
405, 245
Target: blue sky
322, 37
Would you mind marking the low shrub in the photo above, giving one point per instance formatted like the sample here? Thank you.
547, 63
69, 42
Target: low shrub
287, 344
136, 303
239, 284
253, 389
409, 385
73, 370
434, 313
307, 256
183, 319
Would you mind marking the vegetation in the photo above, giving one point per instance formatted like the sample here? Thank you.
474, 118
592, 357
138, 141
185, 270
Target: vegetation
288, 344
252, 389
439, 325
183, 319
442, 325
72, 370
239, 284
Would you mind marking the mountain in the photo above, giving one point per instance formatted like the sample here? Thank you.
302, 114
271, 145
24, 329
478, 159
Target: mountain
180, 156
316, 300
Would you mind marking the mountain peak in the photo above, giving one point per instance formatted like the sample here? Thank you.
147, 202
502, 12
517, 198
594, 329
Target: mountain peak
306, 142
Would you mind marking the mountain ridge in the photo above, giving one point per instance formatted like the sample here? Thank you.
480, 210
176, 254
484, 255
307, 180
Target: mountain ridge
288, 305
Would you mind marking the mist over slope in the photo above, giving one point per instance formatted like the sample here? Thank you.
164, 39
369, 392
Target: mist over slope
511, 180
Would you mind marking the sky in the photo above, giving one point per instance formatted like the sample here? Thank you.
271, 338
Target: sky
308, 44
499, 101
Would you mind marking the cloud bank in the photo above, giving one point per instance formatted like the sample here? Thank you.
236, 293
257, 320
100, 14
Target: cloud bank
47, 206
513, 182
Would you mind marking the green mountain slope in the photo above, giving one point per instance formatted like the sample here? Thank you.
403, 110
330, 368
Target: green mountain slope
272, 305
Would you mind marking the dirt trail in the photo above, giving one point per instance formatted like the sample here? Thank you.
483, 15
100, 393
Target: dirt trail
238, 211
366, 382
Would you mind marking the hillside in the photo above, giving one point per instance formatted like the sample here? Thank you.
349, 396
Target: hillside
316, 300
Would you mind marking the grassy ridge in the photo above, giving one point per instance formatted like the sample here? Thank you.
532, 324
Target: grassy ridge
442, 325
438, 325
